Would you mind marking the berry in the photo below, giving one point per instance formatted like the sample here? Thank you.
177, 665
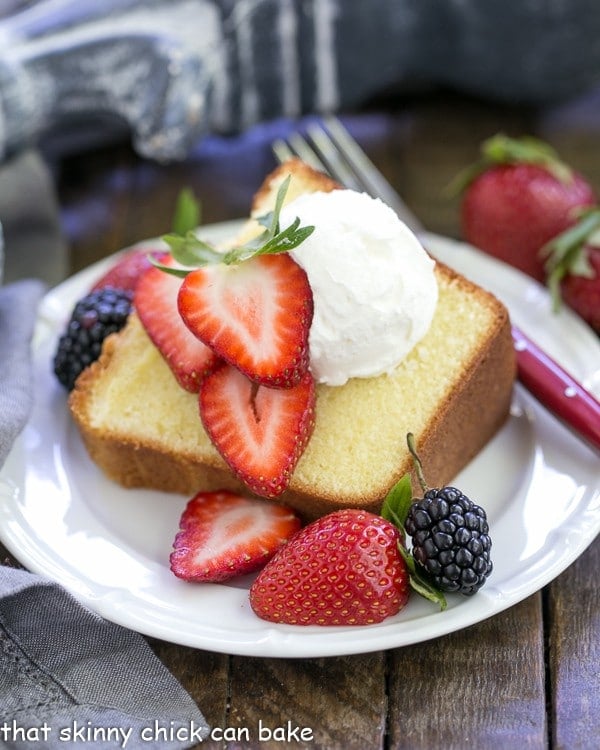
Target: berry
573, 265
255, 315
450, 540
343, 569
517, 199
94, 317
582, 293
156, 305
260, 432
222, 535
127, 269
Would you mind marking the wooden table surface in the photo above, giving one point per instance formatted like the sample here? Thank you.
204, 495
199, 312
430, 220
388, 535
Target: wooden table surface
526, 678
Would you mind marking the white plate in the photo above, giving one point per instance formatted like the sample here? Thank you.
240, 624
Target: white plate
109, 546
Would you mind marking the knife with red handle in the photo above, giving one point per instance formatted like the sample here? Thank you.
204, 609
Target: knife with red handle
558, 391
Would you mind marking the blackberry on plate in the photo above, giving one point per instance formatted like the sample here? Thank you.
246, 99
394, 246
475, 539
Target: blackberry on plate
450, 536
450, 540
94, 317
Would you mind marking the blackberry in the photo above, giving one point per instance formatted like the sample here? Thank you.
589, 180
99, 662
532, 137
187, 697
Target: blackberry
450, 540
94, 317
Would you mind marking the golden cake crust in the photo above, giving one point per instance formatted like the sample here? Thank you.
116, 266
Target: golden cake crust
304, 180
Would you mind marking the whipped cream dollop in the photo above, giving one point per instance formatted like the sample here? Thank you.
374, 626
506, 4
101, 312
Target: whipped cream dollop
374, 287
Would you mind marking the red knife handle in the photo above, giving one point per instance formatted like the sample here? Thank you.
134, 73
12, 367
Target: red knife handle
558, 391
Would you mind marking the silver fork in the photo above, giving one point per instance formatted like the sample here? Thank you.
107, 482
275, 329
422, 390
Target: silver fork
331, 149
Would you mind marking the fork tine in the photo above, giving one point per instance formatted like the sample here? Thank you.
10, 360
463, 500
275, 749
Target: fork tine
337, 167
298, 146
336, 153
306, 152
326, 158
281, 150
373, 181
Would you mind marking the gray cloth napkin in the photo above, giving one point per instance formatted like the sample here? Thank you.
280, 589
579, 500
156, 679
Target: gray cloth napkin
172, 71
18, 303
67, 676
34, 245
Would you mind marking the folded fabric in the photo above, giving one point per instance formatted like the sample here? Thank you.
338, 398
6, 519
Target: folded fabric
66, 674
174, 70
69, 676
33, 242
18, 303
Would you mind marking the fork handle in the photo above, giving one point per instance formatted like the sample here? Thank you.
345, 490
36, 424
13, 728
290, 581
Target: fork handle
556, 389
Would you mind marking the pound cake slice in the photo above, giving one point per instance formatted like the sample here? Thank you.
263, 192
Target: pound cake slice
452, 391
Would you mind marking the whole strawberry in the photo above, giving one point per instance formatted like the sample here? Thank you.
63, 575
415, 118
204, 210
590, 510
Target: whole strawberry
346, 568
517, 198
573, 266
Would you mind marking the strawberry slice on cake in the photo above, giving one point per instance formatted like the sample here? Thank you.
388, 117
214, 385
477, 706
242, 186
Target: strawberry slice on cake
155, 301
234, 326
260, 432
255, 315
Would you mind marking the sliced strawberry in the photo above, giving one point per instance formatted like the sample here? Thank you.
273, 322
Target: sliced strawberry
260, 432
224, 535
156, 304
128, 268
256, 315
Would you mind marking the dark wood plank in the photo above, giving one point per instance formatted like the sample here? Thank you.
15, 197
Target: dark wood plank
205, 676
339, 702
94, 191
483, 687
573, 610
6, 558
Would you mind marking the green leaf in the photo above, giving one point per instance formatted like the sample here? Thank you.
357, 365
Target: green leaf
187, 212
287, 240
395, 509
270, 220
281, 193
397, 502
189, 250
273, 240
419, 581
581, 266
573, 238
180, 272
461, 181
565, 254
502, 149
